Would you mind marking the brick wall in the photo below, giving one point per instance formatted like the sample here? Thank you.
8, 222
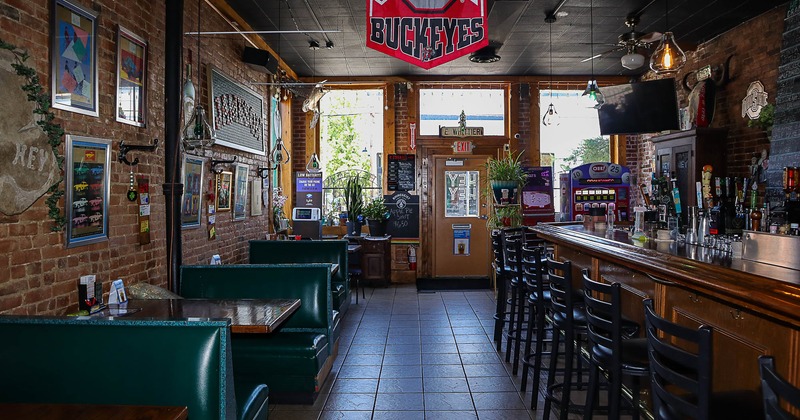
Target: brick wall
755, 46
37, 274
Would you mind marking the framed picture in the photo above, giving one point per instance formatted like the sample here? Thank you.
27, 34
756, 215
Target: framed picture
237, 113
73, 57
131, 78
224, 182
88, 161
240, 195
192, 201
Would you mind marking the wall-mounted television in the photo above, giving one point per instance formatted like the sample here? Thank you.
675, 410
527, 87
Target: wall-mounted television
638, 108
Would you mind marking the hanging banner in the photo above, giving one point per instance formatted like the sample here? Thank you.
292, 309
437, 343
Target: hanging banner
427, 33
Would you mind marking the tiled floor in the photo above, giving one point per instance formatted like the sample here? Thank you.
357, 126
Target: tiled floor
408, 355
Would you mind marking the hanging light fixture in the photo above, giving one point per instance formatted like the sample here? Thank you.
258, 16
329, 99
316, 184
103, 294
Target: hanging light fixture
198, 133
279, 156
313, 165
592, 97
550, 116
632, 60
668, 56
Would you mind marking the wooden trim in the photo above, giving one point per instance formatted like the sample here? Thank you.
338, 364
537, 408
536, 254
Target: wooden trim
389, 131
534, 116
512, 114
617, 149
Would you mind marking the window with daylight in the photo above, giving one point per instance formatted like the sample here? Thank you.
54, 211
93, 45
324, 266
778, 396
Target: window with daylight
442, 107
351, 141
573, 138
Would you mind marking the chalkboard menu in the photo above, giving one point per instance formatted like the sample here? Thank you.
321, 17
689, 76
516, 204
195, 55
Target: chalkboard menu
404, 219
401, 176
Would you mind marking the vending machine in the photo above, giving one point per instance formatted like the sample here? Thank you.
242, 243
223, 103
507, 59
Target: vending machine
537, 196
600, 184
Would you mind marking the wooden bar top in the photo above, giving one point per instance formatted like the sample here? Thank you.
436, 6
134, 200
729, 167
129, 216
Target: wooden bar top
251, 316
753, 285
91, 412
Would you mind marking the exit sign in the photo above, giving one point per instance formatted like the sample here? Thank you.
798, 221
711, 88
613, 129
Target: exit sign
464, 146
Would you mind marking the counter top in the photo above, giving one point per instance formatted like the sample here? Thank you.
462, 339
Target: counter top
754, 285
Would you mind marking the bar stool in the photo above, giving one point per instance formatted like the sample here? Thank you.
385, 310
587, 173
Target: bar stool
513, 276
681, 379
569, 320
610, 349
498, 265
775, 389
538, 301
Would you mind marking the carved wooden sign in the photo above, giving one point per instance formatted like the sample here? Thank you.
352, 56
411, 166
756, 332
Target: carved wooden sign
28, 167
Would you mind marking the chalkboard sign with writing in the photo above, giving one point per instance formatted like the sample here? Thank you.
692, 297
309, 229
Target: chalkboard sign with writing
401, 173
404, 218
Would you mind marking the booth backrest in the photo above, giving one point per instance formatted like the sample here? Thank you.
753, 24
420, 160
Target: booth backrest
311, 283
285, 252
118, 362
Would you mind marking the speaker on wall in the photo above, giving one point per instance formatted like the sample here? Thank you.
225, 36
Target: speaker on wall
260, 60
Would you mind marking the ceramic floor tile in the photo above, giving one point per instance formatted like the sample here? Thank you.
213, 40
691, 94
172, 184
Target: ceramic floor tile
353, 371
504, 415
398, 415
401, 372
395, 402
497, 401
357, 386
492, 384
495, 369
363, 360
443, 371
473, 339
403, 348
366, 349
437, 339
440, 359
442, 385
439, 348
346, 415
401, 359
400, 385
350, 402
479, 358
450, 415
455, 401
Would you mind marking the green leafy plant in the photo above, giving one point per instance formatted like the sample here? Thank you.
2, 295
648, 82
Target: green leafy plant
765, 120
353, 198
507, 168
505, 216
376, 210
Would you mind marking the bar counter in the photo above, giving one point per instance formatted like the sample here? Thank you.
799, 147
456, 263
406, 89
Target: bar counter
753, 307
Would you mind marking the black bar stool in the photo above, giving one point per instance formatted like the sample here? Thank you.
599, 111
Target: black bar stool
681, 379
498, 266
513, 275
610, 349
568, 320
538, 301
775, 389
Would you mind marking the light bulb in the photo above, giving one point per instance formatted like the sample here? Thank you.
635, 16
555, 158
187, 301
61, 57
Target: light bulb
668, 56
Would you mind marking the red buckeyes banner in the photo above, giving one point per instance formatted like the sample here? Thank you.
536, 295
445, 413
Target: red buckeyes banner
427, 33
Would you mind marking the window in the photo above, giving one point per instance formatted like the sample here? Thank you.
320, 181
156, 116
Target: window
574, 140
482, 107
351, 141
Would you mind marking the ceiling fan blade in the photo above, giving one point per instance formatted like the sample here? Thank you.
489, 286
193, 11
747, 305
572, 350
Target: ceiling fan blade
650, 37
601, 54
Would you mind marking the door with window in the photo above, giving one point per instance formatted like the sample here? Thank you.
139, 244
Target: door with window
461, 239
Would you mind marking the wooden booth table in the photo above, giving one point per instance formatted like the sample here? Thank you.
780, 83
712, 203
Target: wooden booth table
91, 412
250, 316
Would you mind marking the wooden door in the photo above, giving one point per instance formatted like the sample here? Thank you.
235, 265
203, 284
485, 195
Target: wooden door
461, 239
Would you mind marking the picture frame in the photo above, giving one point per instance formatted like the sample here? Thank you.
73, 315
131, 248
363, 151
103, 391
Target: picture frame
237, 113
88, 185
73, 58
222, 187
240, 194
192, 199
131, 78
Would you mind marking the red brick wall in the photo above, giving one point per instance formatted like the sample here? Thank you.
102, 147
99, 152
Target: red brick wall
37, 274
755, 46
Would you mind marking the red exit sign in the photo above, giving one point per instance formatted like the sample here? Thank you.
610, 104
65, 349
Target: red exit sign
464, 146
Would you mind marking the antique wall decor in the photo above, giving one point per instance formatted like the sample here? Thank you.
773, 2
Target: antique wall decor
237, 113
192, 201
755, 100
240, 193
88, 187
222, 187
33, 141
73, 58
131, 78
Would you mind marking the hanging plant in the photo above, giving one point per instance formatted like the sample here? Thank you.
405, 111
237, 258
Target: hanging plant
41, 100
765, 120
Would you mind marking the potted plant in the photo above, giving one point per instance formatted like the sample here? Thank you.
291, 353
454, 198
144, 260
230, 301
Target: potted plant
765, 120
506, 176
354, 202
377, 214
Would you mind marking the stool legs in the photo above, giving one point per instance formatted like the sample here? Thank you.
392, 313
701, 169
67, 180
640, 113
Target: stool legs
500, 311
566, 385
520, 304
511, 320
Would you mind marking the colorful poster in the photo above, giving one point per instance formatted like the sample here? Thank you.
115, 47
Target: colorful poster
427, 33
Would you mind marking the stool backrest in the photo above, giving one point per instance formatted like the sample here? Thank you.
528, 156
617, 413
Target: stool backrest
498, 260
561, 290
680, 378
513, 256
533, 270
604, 315
776, 389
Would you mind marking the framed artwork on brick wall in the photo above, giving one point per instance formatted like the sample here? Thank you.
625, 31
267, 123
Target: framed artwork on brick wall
223, 185
131, 78
73, 58
240, 195
192, 202
88, 163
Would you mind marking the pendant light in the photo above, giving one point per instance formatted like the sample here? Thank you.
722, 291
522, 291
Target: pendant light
592, 97
198, 133
550, 117
668, 56
313, 165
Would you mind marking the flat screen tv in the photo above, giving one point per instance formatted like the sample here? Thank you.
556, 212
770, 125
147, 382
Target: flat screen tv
638, 108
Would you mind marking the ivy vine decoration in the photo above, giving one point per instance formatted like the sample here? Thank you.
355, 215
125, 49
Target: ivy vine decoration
41, 99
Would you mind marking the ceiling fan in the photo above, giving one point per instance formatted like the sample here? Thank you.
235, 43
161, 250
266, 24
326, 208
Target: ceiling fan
631, 42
